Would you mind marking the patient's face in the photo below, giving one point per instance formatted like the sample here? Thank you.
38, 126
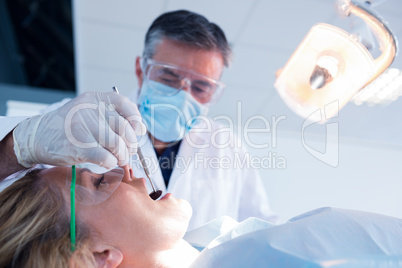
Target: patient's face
129, 219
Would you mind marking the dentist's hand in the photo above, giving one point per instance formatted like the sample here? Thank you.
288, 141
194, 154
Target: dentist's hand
96, 127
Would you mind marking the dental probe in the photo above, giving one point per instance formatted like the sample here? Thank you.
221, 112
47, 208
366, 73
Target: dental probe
155, 193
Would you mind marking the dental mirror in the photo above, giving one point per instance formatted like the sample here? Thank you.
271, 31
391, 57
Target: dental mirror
155, 194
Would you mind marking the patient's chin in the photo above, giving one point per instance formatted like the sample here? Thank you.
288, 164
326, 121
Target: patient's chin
180, 219
187, 213
181, 207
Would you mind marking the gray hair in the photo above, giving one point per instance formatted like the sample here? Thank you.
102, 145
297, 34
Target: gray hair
189, 28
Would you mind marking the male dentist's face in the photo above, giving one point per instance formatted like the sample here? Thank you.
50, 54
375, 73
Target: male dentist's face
208, 63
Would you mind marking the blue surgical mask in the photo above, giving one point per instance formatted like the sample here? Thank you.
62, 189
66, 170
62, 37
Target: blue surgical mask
168, 117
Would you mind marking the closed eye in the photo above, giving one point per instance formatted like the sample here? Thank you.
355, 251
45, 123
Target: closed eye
99, 182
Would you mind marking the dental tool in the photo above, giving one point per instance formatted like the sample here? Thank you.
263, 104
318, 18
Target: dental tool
155, 194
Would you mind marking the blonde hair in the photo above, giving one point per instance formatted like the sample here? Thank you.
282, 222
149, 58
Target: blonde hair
34, 227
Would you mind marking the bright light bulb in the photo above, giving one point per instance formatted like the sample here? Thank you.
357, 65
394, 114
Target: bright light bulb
324, 72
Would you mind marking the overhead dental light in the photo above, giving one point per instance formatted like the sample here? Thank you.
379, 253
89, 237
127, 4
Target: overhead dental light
331, 65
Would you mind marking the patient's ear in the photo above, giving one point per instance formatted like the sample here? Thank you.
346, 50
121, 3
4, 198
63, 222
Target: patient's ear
107, 256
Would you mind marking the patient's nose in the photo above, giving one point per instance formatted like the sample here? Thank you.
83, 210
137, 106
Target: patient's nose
128, 174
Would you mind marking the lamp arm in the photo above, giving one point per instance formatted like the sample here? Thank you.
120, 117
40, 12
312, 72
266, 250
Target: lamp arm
386, 39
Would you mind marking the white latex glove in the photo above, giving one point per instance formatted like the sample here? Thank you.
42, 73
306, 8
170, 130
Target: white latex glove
96, 127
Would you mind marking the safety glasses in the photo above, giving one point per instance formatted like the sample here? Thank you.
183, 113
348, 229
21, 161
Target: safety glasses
204, 89
90, 186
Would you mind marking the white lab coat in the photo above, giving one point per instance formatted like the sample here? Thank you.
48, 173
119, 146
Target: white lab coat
214, 179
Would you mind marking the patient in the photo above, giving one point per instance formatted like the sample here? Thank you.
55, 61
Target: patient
129, 229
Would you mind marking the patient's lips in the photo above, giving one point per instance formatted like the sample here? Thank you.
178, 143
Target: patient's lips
166, 196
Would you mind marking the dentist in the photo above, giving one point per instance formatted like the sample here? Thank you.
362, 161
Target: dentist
189, 154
